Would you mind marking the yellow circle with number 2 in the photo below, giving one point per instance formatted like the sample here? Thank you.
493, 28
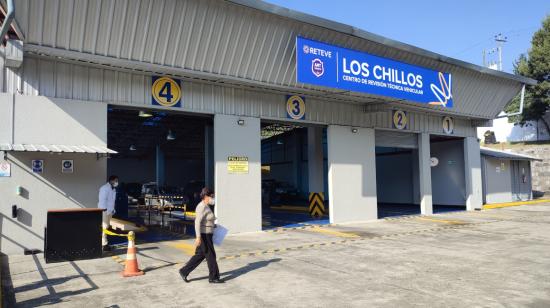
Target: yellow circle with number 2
399, 119
166, 91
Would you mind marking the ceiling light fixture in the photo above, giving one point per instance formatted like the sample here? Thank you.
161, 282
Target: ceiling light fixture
170, 136
145, 114
133, 148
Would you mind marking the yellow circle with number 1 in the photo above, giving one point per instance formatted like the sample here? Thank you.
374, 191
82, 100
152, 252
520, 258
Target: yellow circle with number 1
166, 91
399, 119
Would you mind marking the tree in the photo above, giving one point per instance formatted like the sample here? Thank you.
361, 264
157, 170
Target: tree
535, 65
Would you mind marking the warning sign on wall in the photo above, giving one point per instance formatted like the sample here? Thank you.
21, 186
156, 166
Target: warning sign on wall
237, 164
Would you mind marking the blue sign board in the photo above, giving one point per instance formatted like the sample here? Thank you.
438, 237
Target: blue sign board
336, 67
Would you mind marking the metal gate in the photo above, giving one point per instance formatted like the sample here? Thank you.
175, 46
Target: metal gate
391, 139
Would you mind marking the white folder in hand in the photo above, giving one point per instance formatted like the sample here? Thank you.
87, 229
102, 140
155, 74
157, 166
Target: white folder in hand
219, 235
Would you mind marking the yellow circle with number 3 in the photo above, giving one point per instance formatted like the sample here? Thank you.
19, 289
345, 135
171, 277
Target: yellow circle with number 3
166, 91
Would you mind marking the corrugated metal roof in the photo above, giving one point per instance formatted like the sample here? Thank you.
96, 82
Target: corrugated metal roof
347, 29
55, 148
506, 155
224, 41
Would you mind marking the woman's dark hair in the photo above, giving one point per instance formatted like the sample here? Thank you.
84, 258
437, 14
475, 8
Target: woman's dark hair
112, 178
206, 192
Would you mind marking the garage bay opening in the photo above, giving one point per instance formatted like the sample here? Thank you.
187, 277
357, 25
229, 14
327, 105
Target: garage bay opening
294, 175
397, 176
164, 159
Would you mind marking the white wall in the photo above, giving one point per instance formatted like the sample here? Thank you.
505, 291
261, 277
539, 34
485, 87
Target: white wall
43, 120
238, 196
351, 174
510, 132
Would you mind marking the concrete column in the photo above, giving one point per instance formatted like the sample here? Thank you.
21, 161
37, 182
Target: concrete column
316, 174
159, 166
209, 156
351, 174
238, 196
425, 174
472, 166
297, 159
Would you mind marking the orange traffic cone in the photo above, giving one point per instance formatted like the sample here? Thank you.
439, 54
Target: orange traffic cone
131, 267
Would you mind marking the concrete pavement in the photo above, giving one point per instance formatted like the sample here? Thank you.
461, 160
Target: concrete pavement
491, 258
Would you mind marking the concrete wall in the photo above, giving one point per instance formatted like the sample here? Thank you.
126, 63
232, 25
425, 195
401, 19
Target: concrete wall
472, 169
448, 182
497, 180
351, 174
41, 120
238, 196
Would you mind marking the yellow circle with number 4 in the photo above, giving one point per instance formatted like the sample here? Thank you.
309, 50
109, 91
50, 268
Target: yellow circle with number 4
166, 91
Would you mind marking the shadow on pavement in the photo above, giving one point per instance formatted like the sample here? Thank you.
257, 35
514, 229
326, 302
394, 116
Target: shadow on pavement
53, 297
242, 271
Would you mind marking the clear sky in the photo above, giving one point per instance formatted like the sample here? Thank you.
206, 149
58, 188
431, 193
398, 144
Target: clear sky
459, 29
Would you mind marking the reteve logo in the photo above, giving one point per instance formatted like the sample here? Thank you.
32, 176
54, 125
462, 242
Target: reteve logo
317, 67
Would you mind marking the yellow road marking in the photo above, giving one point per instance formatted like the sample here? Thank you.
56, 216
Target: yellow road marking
443, 221
188, 249
291, 208
501, 205
331, 232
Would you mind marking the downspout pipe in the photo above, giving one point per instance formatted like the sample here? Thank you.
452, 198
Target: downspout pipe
521, 101
10, 14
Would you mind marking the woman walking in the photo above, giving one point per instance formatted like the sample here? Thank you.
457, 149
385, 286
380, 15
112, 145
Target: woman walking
204, 229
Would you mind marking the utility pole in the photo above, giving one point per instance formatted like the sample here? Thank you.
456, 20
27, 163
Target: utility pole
500, 39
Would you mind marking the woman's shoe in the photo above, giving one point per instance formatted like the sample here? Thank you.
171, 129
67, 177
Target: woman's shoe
184, 277
218, 280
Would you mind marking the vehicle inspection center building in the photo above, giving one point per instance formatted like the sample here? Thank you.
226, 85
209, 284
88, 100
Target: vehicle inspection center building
238, 95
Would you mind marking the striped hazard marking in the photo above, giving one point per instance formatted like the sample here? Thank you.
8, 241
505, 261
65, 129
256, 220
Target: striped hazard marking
317, 204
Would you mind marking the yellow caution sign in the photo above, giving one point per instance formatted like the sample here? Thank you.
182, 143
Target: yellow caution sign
317, 204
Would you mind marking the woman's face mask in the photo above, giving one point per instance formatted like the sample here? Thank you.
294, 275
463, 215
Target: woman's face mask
212, 201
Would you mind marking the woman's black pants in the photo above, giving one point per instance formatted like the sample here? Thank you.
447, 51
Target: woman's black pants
204, 251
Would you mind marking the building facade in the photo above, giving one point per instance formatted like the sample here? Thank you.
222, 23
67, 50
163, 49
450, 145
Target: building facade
74, 62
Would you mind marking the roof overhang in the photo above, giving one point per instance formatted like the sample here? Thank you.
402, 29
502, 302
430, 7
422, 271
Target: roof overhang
51, 148
506, 155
